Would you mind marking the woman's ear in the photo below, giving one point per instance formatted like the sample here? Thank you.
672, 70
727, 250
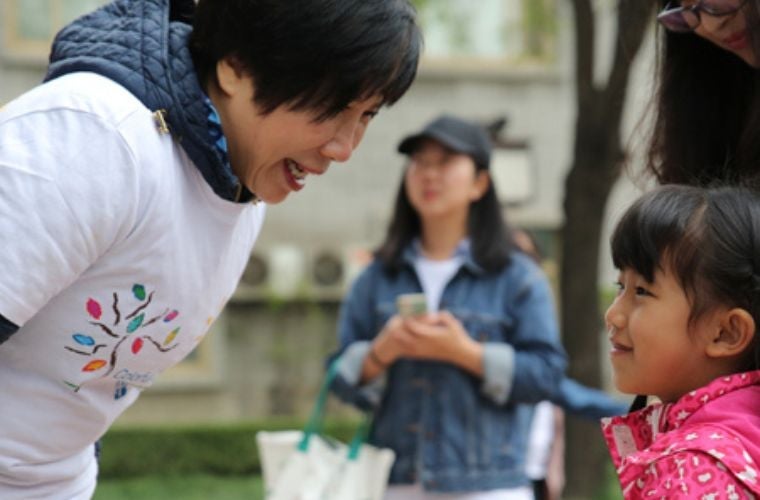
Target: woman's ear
480, 186
736, 330
230, 76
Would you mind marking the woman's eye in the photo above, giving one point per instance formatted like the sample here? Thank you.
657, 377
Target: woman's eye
367, 116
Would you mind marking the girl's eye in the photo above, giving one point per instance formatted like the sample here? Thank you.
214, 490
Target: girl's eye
640, 290
619, 287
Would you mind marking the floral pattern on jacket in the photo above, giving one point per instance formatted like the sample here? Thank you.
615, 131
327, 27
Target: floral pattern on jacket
685, 450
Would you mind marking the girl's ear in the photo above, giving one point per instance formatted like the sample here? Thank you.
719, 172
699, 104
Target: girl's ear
735, 333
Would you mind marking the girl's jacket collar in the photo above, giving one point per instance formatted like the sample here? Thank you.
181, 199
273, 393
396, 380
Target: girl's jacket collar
730, 406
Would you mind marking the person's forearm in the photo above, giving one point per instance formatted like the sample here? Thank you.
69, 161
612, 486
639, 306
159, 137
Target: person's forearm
374, 363
469, 357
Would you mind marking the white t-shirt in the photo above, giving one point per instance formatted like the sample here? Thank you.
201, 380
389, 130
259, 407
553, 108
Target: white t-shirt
116, 257
434, 275
540, 441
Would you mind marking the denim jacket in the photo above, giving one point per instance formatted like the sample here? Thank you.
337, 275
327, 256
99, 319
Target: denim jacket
452, 431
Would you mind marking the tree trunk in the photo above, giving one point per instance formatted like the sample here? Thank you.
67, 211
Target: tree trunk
596, 165
587, 189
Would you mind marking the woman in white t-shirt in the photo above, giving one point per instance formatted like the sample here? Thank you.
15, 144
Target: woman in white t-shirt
126, 182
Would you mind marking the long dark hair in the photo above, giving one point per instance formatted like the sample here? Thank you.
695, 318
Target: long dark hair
707, 110
709, 238
490, 239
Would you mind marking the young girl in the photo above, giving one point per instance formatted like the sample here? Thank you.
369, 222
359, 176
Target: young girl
682, 328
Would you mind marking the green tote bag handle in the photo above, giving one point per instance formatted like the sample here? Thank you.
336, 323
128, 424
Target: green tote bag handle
314, 425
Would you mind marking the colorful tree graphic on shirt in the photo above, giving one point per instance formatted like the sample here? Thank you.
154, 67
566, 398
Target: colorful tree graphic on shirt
87, 345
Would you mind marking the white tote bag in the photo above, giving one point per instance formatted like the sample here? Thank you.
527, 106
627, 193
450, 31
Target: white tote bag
305, 465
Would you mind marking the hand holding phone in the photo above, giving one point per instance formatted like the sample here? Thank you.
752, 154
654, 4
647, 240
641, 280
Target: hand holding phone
411, 304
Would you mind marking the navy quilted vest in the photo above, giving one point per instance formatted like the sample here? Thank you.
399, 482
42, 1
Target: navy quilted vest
143, 45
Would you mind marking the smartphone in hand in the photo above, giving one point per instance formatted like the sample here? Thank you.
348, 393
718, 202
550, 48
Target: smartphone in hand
411, 304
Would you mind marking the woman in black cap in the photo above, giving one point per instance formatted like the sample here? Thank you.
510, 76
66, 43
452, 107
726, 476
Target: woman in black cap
447, 386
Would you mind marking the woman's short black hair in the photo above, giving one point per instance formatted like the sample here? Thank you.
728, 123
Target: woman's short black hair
316, 55
708, 238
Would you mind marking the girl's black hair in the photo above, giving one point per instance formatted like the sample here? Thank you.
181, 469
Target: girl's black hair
314, 55
491, 241
707, 110
708, 238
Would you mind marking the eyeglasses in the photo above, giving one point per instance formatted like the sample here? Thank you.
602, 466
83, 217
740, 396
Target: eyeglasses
686, 19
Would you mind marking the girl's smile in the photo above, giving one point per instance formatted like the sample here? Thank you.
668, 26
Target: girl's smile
619, 349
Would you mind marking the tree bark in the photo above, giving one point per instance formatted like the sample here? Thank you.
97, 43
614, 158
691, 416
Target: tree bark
596, 165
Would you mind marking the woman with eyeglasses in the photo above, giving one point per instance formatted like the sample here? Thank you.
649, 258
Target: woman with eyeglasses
707, 114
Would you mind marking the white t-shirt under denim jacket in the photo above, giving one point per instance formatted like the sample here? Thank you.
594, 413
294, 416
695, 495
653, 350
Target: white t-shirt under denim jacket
116, 258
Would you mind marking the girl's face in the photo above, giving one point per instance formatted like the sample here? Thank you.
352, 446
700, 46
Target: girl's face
730, 32
655, 351
441, 184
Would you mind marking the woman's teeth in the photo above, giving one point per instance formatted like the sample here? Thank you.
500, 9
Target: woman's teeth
298, 174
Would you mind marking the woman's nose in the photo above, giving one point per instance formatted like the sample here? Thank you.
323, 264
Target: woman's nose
342, 144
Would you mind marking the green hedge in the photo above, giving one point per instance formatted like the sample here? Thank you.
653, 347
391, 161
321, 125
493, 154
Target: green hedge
210, 449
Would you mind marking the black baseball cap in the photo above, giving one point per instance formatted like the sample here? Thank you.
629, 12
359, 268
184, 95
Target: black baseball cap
456, 134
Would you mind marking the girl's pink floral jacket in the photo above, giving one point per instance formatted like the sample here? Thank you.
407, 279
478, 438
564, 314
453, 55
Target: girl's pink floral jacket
706, 445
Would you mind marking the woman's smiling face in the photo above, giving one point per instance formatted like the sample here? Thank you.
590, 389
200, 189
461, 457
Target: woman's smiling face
272, 154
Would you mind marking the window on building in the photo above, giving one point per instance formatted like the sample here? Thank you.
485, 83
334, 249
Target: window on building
487, 32
30, 25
